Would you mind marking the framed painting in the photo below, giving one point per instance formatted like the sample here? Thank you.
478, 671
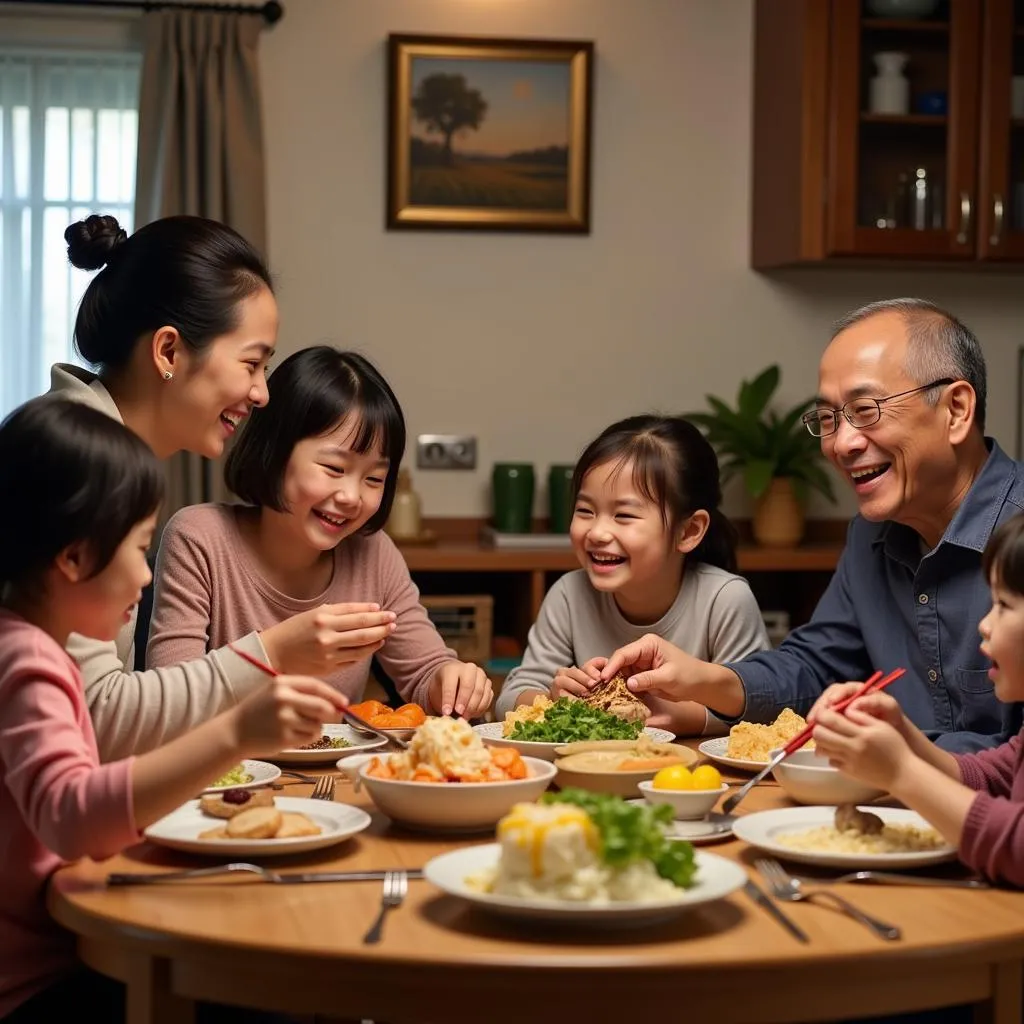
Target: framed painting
489, 134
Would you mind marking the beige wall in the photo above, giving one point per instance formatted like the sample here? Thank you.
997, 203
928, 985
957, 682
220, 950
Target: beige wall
535, 343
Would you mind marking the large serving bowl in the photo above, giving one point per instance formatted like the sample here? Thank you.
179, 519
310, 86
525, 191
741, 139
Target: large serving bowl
578, 766
807, 778
449, 806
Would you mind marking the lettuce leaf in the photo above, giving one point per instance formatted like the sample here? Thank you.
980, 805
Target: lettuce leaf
569, 721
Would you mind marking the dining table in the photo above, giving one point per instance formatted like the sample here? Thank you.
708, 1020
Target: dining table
299, 948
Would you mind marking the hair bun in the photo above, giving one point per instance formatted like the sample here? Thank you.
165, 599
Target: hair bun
93, 241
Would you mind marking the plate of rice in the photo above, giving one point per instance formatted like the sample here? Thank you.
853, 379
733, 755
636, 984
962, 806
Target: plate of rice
809, 835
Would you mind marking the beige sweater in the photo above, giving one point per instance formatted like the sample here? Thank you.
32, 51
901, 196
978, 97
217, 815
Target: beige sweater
211, 588
134, 712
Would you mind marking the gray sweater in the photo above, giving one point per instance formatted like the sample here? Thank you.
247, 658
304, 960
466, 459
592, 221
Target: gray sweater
715, 617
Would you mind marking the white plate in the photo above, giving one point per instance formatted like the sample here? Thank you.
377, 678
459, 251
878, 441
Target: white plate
716, 750
711, 829
491, 733
180, 829
263, 774
359, 745
762, 829
716, 878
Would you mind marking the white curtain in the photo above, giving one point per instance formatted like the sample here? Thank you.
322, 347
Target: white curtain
68, 131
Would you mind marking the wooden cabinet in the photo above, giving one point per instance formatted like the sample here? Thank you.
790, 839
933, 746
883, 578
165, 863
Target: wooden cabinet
834, 181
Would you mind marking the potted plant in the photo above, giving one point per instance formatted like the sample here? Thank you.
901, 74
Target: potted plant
781, 462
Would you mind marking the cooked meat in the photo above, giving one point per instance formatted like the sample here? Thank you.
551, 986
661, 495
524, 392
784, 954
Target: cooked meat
615, 697
849, 818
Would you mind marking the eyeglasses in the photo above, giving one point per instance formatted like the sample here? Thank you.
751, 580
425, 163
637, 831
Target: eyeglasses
859, 412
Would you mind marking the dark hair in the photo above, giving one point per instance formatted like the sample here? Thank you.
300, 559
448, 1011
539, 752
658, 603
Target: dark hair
311, 392
1004, 555
675, 467
183, 272
938, 345
69, 473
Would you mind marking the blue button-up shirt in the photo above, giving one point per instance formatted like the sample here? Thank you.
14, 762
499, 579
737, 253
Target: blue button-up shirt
891, 604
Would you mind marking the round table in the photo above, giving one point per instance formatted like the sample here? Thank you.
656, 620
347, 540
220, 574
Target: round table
299, 948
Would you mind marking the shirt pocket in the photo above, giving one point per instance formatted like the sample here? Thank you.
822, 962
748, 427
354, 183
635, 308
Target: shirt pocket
982, 710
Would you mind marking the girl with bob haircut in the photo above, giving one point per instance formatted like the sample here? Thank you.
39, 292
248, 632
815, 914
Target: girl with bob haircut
304, 560
179, 323
88, 492
976, 801
657, 556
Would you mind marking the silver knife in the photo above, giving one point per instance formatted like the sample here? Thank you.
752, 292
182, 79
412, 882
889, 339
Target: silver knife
264, 874
766, 903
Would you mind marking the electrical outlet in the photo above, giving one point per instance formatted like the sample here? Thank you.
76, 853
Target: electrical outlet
446, 451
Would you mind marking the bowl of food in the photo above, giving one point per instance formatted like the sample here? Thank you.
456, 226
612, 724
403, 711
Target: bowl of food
400, 722
448, 780
688, 804
616, 766
807, 778
540, 728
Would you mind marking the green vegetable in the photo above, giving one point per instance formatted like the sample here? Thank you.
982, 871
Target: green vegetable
236, 777
633, 832
568, 721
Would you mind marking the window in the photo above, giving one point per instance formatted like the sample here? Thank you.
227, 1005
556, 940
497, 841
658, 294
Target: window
68, 138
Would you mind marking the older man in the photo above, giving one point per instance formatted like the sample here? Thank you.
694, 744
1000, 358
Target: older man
901, 415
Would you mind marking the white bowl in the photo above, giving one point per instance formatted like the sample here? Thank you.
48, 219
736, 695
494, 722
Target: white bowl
450, 806
808, 778
688, 804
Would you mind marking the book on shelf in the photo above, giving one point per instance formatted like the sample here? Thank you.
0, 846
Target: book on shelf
525, 541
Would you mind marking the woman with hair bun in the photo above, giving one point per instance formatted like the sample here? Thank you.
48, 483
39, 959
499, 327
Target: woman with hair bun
180, 323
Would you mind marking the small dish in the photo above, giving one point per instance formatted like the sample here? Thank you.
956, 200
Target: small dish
260, 773
688, 804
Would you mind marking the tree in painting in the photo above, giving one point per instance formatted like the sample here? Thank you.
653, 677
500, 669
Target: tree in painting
446, 105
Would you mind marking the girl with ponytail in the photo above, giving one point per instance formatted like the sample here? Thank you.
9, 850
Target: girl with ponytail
657, 556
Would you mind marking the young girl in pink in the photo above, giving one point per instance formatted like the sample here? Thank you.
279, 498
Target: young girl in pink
81, 493
304, 560
975, 800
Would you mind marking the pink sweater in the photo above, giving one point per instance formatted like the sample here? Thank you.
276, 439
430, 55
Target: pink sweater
993, 836
57, 802
210, 590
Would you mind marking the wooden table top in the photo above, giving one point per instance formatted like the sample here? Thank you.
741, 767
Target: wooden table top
297, 947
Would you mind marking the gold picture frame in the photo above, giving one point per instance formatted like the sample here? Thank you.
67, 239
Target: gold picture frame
489, 134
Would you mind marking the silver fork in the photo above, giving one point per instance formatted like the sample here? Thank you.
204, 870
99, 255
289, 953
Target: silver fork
895, 878
324, 788
791, 889
396, 885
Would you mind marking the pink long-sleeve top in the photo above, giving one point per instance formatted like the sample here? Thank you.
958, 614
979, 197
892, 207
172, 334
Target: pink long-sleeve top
57, 802
993, 836
210, 590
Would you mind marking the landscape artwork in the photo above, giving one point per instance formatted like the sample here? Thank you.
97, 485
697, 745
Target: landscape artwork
489, 134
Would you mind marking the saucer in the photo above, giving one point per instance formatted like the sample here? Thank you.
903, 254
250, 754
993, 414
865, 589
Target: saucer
712, 829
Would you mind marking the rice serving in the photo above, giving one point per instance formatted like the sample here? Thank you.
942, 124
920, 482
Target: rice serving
892, 839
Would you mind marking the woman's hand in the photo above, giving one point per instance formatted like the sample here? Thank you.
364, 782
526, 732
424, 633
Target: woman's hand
462, 688
319, 641
289, 711
864, 746
577, 682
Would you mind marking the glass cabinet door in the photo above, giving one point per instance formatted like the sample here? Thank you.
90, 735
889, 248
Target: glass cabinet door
903, 120
1001, 198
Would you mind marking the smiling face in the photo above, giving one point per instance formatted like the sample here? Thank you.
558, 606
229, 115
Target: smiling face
330, 490
1002, 636
903, 467
100, 605
621, 541
212, 391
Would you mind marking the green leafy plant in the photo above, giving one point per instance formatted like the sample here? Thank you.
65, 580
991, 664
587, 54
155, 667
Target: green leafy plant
761, 444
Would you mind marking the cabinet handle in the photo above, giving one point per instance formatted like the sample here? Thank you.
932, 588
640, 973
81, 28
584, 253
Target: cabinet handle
965, 219
997, 220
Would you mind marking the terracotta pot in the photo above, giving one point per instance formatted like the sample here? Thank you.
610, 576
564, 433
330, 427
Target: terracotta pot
778, 516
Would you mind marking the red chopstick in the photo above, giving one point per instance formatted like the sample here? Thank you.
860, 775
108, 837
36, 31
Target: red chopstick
873, 684
261, 665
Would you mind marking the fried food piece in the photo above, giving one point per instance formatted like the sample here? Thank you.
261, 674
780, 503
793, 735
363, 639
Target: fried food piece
613, 696
526, 713
215, 833
415, 714
850, 818
234, 801
255, 823
294, 824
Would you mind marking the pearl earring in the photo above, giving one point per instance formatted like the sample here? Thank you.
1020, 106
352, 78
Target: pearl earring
168, 375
